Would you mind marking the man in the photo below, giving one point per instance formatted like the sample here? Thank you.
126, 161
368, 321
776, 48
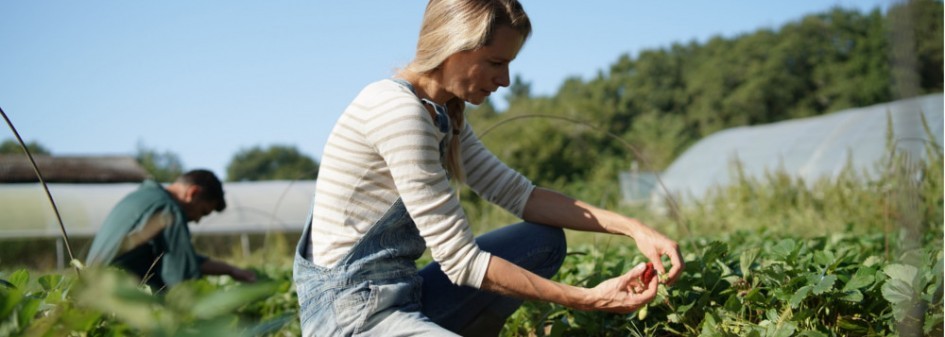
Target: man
146, 233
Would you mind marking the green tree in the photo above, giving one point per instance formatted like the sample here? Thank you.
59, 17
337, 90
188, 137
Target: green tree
278, 162
163, 166
11, 146
663, 100
486, 110
519, 89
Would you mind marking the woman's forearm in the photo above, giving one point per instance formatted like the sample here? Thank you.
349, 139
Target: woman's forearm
506, 278
548, 207
551, 208
612, 295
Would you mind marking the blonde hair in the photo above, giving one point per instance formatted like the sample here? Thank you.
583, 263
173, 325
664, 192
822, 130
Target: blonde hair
452, 26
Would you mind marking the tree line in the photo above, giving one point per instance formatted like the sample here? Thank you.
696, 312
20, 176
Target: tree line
275, 162
650, 107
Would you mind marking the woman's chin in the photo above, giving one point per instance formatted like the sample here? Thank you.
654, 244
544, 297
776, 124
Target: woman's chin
477, 99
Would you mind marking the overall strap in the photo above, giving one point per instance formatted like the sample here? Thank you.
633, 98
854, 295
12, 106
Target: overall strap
442, 117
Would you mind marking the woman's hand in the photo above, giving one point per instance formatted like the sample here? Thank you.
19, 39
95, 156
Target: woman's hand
623, 294
654, 245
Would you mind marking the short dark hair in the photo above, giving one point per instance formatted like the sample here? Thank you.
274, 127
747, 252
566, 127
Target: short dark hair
211, 189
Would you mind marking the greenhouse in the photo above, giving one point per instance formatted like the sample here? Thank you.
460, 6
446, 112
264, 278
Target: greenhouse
808, 148
252, 208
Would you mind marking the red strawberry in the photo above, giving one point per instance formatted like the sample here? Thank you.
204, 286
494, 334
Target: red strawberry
648, 273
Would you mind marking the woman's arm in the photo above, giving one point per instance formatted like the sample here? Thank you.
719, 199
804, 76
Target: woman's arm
612, 295
548, 207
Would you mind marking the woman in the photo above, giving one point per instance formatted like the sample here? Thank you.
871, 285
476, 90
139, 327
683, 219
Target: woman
383, 196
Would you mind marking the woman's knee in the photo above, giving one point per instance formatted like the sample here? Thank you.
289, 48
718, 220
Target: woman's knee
560, 243
536, 247
554, 243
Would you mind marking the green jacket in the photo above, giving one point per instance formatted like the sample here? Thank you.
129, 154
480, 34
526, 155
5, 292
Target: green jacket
179, 261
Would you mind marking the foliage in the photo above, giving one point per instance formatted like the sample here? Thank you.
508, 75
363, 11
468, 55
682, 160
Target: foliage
769, 257
162, 166
661, 101
849, 257
752, 283
11, 146
774, 276
275, 163
109, 302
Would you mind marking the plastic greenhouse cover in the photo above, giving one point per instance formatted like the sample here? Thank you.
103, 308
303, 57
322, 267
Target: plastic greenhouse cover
252, 207
810, 148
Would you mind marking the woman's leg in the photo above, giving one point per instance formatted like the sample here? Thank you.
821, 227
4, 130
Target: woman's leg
538, 248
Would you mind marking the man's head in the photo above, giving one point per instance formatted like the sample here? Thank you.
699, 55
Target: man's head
199, 193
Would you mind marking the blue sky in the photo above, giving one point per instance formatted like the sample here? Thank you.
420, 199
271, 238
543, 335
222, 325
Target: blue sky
205, 79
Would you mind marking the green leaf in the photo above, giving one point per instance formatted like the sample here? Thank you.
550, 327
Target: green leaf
902, 272
112, 291
897, 291
733, 304
798, 297
49, 282
9, 299
932, 321
824, 257
772, 315
872, 261
852, 296
27, 311
784, 248
20, 279
709, 326
825, 284
714, 251
782, 329
746, 260
557, 328
863, 278
224, 302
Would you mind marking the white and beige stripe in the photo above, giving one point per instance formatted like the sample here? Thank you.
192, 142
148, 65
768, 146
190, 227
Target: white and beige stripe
385, 146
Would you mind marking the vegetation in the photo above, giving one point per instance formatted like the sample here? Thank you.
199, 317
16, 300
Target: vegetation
277, 162
162, 166
848, 257
11, 146
853, 256
661, 101
862, 275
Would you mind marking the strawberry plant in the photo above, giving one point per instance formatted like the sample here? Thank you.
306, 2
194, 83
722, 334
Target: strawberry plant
754, 284
109, 302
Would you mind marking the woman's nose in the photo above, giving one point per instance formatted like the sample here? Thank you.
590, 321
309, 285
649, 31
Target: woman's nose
503, 79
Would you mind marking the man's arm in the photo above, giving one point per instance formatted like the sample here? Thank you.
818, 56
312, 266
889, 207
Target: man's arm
215, 267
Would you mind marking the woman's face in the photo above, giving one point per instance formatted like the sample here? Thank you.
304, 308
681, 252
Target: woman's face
475, 74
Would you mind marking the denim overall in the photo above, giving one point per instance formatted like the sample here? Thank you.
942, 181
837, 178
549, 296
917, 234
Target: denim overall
376, 290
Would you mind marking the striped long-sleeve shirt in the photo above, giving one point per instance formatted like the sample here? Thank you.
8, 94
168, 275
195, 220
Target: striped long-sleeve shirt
386, 146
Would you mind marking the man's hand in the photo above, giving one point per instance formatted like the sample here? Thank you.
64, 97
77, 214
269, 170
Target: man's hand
243, 275
217, 267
